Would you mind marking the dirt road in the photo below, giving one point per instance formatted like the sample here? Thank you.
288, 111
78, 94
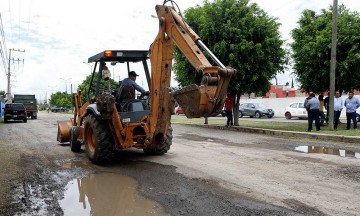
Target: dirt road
206, 172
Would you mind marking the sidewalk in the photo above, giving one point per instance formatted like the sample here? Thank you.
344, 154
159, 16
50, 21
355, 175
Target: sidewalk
293, 134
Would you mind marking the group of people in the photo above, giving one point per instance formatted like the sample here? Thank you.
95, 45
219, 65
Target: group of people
315, 106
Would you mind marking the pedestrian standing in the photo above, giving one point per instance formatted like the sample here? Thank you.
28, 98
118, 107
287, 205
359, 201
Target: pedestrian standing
351, 105
229, 101
322, 115
306, 101
326, 104
338, 106
313, 104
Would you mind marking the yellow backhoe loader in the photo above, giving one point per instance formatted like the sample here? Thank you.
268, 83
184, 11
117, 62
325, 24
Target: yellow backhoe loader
108, 121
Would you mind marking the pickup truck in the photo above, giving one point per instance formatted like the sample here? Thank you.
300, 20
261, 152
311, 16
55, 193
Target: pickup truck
29, 101
15, 111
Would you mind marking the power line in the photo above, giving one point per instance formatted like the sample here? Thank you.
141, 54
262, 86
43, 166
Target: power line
3, 49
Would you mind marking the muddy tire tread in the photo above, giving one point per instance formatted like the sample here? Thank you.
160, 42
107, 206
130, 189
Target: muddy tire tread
104, 146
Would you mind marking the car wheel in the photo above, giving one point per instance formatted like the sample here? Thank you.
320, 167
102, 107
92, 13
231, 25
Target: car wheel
25, 119
270, 116
5, 120
240, 114
257, 115
288, 116
357, 117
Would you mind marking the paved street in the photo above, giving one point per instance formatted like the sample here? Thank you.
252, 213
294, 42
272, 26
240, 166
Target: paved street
206, 172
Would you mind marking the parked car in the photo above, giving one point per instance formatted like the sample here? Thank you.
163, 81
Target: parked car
15, 111
179, 111
59, 109
358, 114
256, 110
296, 110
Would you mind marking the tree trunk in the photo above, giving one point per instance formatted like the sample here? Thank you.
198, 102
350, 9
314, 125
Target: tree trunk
236, 110
206, 120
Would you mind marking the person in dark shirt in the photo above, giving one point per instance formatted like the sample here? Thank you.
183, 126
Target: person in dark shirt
326, 105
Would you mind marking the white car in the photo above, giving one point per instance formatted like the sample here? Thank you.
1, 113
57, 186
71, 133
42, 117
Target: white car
296, 109
358, 114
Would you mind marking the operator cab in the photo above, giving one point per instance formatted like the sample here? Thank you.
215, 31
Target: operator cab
131, 107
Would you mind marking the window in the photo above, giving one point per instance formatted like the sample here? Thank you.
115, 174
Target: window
294, 105
301, 105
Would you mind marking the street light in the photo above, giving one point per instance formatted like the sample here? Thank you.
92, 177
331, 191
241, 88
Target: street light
52, 88
91, 69
65, 80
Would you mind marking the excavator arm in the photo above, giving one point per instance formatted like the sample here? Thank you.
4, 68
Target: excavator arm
202, 100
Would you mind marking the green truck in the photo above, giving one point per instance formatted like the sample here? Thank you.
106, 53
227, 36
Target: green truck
29, 102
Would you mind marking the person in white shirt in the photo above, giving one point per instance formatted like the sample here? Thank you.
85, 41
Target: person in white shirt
338, 106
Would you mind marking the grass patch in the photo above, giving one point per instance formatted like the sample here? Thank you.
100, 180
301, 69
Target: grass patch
286, 126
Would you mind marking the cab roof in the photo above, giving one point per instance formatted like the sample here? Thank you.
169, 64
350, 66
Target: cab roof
120, 56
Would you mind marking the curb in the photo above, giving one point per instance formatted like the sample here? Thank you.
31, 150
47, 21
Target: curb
294, 134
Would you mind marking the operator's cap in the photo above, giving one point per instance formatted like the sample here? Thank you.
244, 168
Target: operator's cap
133, 73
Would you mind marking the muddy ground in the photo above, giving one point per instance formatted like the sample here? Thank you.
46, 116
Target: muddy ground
206, 172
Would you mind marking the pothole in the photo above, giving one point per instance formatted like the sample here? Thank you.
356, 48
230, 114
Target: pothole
329, 151
107, 194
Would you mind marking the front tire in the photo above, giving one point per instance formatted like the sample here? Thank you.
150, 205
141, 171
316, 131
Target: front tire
25, 119
98, 140
75, 145
288, 116
240, 114
163, 148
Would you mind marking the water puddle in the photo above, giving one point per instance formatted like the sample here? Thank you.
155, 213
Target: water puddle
329, 151
107, 194
75, 164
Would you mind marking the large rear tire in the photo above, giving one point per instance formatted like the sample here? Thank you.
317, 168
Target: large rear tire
98, 140
75, 145
161, 149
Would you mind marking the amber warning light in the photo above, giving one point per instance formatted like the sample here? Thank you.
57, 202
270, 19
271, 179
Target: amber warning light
108, 53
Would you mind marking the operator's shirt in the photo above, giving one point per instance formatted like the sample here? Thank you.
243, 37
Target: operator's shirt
128, 81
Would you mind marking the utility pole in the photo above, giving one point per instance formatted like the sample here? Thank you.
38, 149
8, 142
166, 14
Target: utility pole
65, 83
333, 65
8, 94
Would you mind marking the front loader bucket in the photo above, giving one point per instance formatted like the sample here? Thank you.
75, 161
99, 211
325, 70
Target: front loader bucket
195, 101
64, 131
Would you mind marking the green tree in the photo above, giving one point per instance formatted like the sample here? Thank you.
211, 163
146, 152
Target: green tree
84, 86
312, 50
242, 36
2, 92
61, 99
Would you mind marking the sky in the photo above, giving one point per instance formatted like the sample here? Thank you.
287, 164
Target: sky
59, 36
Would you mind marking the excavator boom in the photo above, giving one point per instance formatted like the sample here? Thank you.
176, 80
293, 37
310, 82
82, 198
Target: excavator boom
202, 100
